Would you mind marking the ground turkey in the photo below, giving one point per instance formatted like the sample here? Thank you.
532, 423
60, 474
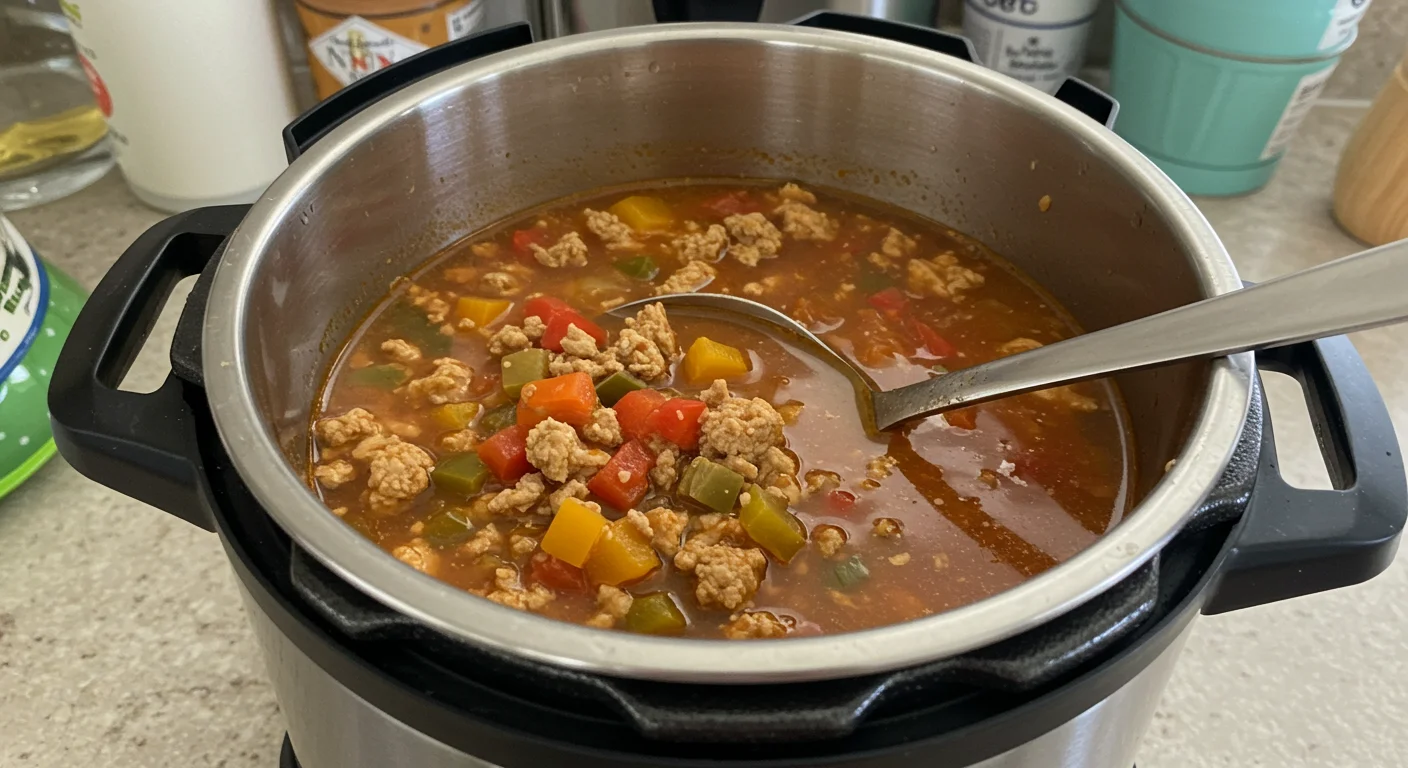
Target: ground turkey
666, 470
652, 323
448, 383
335, 474
509, 591
572, 489
401, 351
418, 554
603, 428
521, 497
828, 540
804, 223
569, 251
701, 246
728, 577
755, 238
897, 246
397, 471
616, 234
341, 430
687, 279
512, 338
751, 625
739, 427
555, 449
612, 605
943, 277
667, 525
485, 540
435, 307
579, 354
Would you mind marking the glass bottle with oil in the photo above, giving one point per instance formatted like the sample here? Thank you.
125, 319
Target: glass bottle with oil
53, 140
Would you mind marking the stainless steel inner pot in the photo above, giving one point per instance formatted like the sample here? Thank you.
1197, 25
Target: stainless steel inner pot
948, 139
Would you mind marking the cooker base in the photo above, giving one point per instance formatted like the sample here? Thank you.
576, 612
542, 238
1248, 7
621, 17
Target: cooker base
288, 760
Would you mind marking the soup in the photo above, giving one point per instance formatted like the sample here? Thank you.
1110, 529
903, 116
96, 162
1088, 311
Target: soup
492, 426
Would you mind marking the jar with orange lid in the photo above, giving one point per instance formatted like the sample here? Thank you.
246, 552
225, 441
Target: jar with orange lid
350, 39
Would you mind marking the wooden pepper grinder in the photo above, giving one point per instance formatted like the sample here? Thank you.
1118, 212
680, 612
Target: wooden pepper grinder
1371, 190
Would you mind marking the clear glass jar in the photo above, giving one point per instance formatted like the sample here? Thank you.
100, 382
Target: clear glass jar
53, 138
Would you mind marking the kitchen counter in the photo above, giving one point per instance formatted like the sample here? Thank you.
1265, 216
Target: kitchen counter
123, 643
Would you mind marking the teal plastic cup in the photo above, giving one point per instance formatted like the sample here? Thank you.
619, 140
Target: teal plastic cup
1213, 91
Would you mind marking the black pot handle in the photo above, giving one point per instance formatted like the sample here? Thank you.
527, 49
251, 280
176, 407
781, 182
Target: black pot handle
137, 444
1296, 542
337, 108
1089, 100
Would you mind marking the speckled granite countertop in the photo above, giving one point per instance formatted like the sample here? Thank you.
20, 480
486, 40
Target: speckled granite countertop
123, 643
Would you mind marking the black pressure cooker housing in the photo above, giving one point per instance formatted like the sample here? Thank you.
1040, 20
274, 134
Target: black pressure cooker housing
1255, 540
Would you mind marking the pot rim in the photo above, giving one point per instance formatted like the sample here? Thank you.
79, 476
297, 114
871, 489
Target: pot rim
282, 493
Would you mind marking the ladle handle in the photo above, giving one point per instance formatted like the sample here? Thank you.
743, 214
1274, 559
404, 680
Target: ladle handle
1365, 290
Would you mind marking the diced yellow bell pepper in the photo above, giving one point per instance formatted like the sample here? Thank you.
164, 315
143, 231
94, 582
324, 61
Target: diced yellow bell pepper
622, 554
454, 416
575, 529
482, 311
707, 360
644, 213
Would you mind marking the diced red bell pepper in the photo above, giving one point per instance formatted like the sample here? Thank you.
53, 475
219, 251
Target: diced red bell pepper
891, 301
570, 399
556, 574
557, 315
545, 307
561, 322
506, 454
633, 412
731, 203
677, 420
963, 418
840, 502
524, 238
930, 339
622, 483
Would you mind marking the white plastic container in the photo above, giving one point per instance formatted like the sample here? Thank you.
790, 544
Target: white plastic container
195, 93
1039, 42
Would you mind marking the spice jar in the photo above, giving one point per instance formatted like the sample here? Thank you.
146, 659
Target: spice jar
350, 39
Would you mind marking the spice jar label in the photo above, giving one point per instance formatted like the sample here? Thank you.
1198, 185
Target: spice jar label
356, 48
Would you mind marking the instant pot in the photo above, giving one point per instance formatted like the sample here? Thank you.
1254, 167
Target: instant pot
375, 664
568, 17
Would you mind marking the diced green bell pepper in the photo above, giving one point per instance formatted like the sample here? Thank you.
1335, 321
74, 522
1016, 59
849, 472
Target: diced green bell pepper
522, 367
387, 377
462, 473
410, 323
638, 267
851, 572
494, 420
447, 529
767, 521
614, 387
711, 484
655, 614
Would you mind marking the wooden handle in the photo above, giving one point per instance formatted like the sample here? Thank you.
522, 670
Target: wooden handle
1371, 189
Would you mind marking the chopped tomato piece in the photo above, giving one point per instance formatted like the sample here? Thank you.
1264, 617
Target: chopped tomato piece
570, 399
677, 420
556, 574
937, 345
840, 502
963, 418
890, 301
524, 238
633, 412
506, 454
562, 321
622, 483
